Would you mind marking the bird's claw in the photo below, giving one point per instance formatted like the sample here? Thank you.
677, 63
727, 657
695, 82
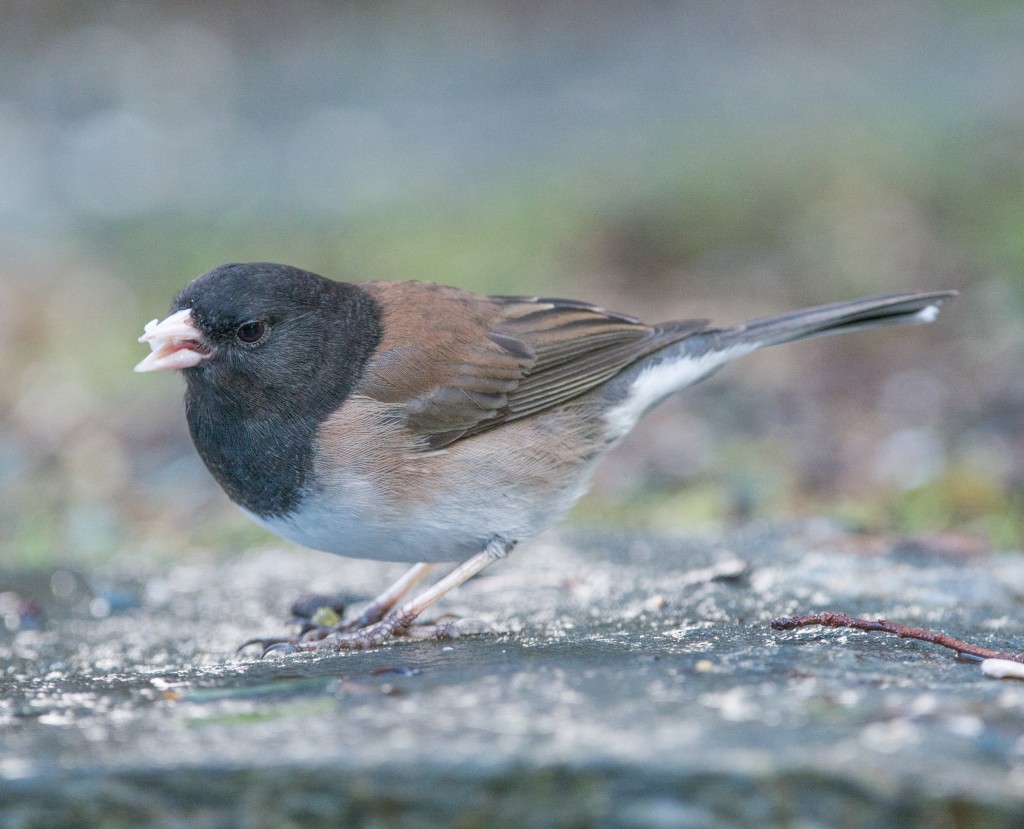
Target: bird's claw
285, 648
355, 635
264, 642
344, 637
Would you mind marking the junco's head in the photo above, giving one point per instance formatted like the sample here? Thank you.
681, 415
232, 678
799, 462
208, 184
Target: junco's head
261, 334
413, 422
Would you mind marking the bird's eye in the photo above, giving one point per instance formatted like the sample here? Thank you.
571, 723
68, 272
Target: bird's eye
251, 332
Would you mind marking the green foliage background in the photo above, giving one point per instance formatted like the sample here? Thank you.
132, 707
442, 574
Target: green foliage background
669, 160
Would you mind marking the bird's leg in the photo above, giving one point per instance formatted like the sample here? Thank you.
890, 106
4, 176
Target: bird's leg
399, 620
372, 614
376, 609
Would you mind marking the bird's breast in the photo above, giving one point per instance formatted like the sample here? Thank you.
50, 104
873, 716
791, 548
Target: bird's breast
376, 492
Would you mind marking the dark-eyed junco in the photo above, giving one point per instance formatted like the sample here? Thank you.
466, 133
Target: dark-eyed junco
407, 421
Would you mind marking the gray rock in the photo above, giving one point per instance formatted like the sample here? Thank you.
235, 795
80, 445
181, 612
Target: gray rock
621, 685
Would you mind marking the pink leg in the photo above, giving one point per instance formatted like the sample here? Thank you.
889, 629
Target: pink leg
376, 609
398, 621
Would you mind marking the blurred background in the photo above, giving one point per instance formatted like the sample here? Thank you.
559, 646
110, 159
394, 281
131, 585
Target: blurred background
665, 159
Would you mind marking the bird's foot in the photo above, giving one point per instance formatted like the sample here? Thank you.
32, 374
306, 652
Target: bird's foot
379, 623
392, 626
341, 638
347, 636
318, 616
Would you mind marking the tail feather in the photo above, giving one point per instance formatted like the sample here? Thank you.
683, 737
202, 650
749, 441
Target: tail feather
838, 318
701, 352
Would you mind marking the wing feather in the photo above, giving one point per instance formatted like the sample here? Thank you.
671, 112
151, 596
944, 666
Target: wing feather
457, 364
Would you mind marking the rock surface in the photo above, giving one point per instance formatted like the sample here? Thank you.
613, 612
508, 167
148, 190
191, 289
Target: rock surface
623, 684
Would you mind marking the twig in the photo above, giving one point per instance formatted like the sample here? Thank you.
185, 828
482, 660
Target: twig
841, 620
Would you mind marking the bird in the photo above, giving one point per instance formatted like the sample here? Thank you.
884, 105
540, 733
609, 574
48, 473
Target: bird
414, 422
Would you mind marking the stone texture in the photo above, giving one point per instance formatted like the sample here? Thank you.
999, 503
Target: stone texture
619, 687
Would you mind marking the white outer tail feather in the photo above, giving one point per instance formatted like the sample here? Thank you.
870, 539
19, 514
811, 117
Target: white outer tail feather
659, 380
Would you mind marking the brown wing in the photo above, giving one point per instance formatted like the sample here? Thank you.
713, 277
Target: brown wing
578, 347
456, 363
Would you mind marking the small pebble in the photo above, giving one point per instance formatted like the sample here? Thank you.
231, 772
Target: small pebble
306, 606
1003, 668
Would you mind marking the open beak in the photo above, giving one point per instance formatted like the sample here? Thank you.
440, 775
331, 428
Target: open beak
176, 343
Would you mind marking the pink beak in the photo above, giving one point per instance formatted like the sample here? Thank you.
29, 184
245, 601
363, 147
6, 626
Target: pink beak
176, 343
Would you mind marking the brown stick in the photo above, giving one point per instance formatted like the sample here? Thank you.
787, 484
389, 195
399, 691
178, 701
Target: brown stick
841, 620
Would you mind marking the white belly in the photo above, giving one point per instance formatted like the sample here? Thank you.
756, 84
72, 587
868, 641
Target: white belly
360, 523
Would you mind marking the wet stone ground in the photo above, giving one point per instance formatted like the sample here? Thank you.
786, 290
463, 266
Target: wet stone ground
623, 684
